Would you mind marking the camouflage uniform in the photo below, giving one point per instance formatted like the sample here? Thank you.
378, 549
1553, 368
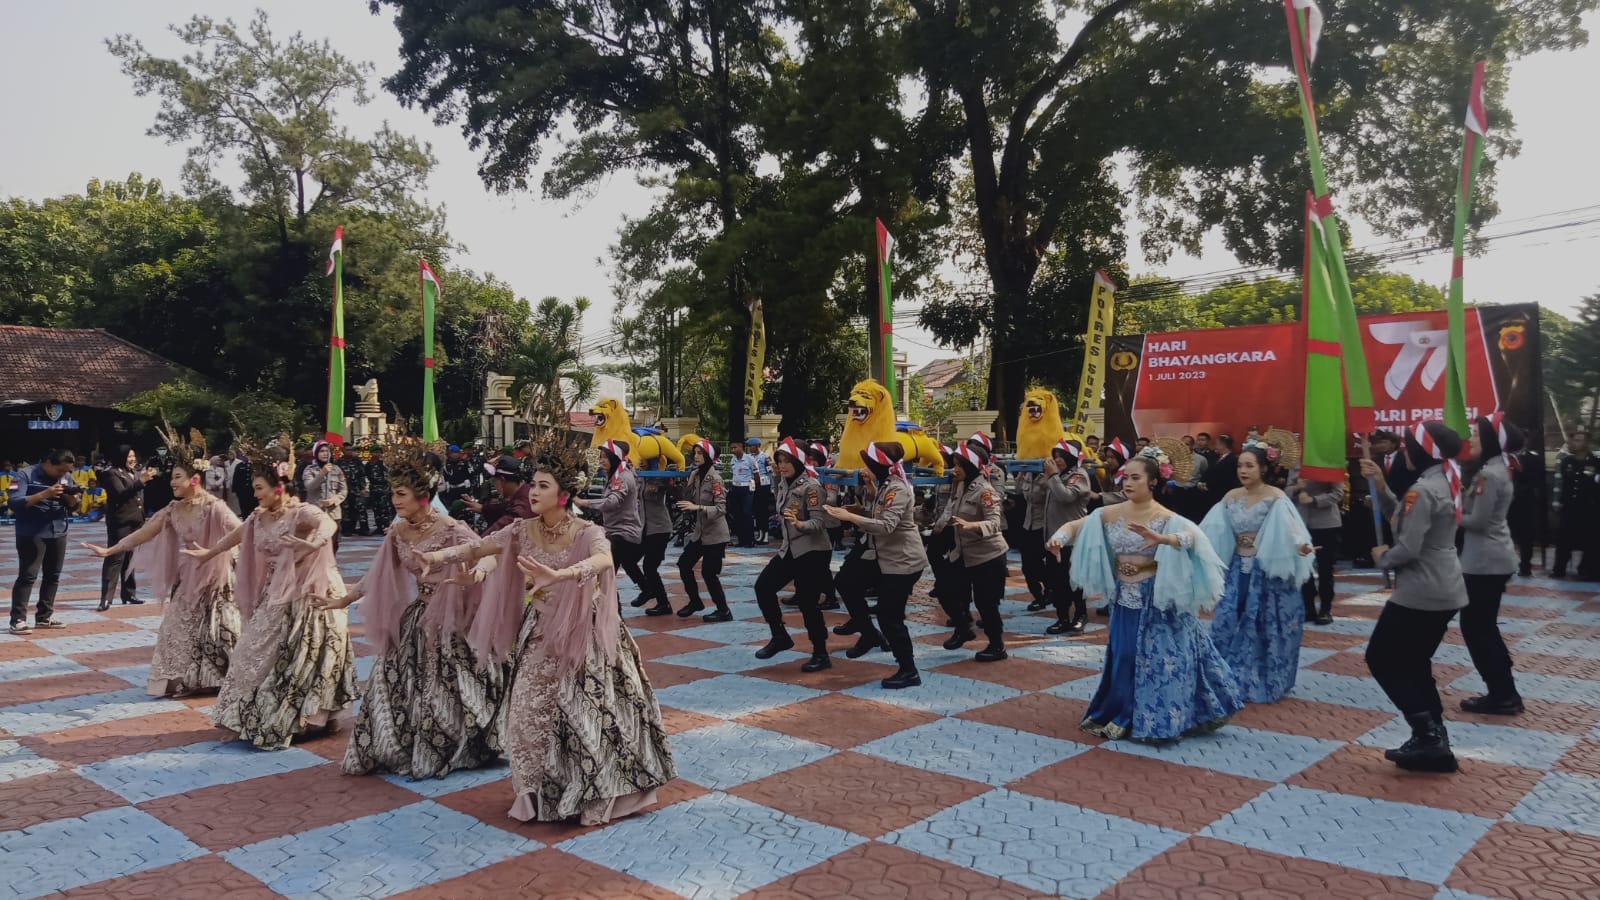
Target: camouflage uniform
355, 507
378, 499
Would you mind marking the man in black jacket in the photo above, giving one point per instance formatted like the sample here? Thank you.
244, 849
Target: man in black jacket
244, 487
124, 482
1223, 474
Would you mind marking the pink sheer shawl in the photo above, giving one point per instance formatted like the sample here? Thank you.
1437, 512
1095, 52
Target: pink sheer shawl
299, 572
391, 584
573, 613
165, 567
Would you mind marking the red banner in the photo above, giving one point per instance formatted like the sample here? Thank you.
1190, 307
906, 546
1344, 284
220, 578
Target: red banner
1227, 380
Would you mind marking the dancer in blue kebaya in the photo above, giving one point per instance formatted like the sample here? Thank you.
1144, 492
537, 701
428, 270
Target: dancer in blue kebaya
1163, 678
1259, 618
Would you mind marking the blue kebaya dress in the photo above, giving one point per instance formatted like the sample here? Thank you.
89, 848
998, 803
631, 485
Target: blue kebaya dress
1163, 677
1261, 614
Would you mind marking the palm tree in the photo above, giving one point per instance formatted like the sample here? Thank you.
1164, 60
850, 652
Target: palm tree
551, 351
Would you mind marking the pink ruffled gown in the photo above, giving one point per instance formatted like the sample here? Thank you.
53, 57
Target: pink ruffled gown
430, 707
199, 619
580, 724
294, 669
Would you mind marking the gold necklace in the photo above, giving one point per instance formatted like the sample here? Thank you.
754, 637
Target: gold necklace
554, 533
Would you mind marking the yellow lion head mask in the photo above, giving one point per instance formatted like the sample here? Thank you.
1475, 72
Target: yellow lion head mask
1038, 424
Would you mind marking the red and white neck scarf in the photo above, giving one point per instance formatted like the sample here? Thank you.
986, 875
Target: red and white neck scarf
876, 454
1452, 469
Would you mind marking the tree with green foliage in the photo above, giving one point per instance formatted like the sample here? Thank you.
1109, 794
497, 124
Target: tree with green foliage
1572, 372
1192, 97
1159, 305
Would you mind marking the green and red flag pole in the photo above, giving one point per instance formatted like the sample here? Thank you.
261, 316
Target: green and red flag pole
1455, 385
334, 433
1305, 28
430, 300
883, 333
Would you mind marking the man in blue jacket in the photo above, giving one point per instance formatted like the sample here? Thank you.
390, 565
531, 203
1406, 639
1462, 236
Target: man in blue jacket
39, 497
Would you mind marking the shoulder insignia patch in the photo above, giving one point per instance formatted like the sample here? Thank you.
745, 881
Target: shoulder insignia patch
1410, 500
888, 498
716, 489
813, 497
988, 499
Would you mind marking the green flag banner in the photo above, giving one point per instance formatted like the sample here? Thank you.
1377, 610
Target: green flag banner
1324, 431
334, 433
430, 299
1305, 28
1455, 386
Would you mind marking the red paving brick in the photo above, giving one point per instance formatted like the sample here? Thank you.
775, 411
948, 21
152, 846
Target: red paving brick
1329, 721
655, 646
1206, 869
1184, 798
844, 674
123, 737
1330, 640
1045, 714
52, 687
114, 659
1355, 664
1480, 788
1583, 758
549, 874
1526, 862
61, 794
232, 815
886, 872
664, 675
860, 794
491, 803
203, 878
1542, 715
839, 720
1017, 672
677, 721
10, 650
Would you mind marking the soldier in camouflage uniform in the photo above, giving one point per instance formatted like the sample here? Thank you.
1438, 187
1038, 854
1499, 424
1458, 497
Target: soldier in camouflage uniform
355, 477
378, 490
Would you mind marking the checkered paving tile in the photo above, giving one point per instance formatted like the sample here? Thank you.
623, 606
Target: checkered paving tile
823, 785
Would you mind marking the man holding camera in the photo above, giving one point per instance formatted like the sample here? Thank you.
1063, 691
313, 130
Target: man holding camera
40, 497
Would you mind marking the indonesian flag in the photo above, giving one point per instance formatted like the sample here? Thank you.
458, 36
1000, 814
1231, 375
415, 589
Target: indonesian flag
336, 251
430, 299
1313, 30
334, 432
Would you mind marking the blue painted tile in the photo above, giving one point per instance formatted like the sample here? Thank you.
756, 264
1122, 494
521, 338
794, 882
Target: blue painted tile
722, 756
732, 696
973, 750
1564, 801
90, 709
94, 643
711, 847
1400, 839
1559, 688
459, 780
107, 843
1246, 752
734, 658
1041, 844
379, 855
1082, 654
176, 770
1343, 690
1490, 743
939, 693
38, 667
17, 761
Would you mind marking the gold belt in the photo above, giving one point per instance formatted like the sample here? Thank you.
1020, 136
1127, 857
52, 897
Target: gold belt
1134, 570
1245, 542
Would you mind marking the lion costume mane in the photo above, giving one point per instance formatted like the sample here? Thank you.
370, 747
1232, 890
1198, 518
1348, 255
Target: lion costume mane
870, 418
611, 424
1035, 437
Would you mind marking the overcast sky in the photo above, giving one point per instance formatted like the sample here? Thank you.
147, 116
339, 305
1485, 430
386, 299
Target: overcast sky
73, 116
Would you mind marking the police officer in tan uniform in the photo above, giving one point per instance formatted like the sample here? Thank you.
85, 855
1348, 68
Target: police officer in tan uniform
1428, 591
893, 560
802, 558
708, 541
978, 522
